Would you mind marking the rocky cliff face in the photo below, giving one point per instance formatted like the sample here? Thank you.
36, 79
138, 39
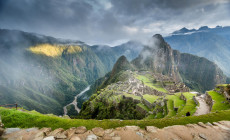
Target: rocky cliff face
211, 43
157, 57
197, 72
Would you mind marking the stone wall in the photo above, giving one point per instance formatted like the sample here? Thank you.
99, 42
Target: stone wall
225, 91
141, 110
148, 104
208, 100
195, 100
182, 97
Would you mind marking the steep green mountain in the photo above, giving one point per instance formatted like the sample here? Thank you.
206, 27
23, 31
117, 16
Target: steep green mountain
151, 85
45, 73
211, 43
128, 94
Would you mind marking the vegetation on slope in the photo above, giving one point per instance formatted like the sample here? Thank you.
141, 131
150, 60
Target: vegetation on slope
14, 118
190, 105
220, 102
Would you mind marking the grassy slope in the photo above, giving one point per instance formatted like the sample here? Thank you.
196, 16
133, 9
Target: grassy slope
13, 118
177, 102
190, 105
171, 111
220, 102
150, 98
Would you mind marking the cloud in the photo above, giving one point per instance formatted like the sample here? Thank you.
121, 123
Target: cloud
108, 21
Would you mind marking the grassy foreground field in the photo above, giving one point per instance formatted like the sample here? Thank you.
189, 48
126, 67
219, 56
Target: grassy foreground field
14, 118
220, 103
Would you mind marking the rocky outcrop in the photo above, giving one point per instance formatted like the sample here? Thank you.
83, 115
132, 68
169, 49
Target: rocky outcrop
217, 130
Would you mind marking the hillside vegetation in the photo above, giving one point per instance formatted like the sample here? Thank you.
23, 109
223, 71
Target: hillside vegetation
15, 118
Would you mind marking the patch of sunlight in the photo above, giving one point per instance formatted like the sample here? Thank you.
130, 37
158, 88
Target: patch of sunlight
54, 50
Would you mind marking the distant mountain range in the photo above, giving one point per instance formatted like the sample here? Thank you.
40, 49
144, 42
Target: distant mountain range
211, 43
45, 73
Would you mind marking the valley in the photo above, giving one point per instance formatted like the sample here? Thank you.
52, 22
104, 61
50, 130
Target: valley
74, 103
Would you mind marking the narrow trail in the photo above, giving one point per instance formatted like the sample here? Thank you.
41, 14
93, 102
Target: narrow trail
203, 108
75, 101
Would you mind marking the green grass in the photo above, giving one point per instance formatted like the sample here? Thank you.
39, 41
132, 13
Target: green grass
159, 115
133, 96
149, 117
143, 106
171, 111
190, 105
116, 98
149, 82
218, 99
13, 118
150, 98
177, 102
222, 85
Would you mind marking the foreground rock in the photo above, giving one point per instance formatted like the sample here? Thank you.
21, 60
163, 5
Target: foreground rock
201, 131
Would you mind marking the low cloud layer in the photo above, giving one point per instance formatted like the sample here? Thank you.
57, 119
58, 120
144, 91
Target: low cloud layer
111, 21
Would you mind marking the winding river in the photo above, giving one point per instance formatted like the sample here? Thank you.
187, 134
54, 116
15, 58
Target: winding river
75, 101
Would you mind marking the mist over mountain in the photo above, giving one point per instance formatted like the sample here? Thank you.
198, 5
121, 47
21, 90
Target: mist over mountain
211, 43
45, 73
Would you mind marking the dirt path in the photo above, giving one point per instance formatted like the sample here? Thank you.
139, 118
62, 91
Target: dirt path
203, 108
75, 102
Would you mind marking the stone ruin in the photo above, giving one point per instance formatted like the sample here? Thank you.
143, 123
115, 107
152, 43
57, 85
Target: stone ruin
225, 90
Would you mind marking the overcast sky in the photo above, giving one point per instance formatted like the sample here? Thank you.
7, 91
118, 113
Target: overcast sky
111, 21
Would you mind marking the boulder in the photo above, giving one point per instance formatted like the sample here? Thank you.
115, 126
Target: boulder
42, 133
75, 138
98, 131
91, 137
56, 131
107, 137
60, 136
70, 132
133, 128
202, 124
203, 136
80, 130
11, 130
108, 131
49, 138
116, 138
151, 129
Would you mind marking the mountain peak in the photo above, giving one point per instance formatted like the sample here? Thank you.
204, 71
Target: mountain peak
204, 28
121, 64
182, 30
158, 36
